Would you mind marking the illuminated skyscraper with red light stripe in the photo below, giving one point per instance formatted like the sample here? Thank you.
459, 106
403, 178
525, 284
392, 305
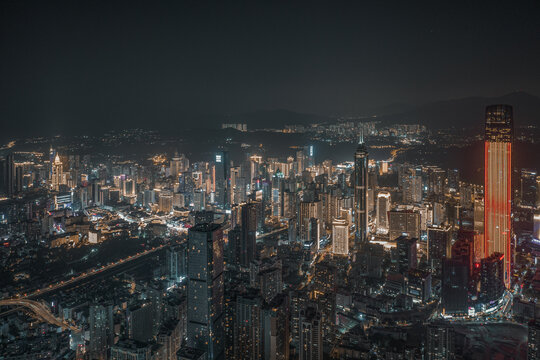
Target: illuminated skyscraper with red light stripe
497, 185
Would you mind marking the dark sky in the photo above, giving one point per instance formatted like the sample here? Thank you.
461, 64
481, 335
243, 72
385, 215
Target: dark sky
132, 62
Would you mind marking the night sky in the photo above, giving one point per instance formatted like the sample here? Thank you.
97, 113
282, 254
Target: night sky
94, 63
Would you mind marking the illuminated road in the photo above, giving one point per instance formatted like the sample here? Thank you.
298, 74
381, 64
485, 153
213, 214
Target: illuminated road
40, 311
73, 280
272, 232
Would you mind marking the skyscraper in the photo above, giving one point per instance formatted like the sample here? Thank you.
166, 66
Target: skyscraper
497, 184
222, 178
340, 237
440, 342
492, 278
454, 286
308, 210
175, 258
311, 347
247, 335
101, 330
205, 289
528, 188
178, 164
243, 236
165, 201
309, 156
360, 190
406, 248
383, 206
7, 185
56, 173
439, 246
275, 328
403, 222
139, 322
412, 186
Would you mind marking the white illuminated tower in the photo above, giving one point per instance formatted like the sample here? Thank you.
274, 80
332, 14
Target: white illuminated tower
56, 173
340, 237
383, 206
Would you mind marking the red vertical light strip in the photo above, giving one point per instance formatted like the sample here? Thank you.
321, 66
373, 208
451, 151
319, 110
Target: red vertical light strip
486, 198
509, 213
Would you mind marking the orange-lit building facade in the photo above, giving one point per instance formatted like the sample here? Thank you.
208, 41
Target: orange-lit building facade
497, 185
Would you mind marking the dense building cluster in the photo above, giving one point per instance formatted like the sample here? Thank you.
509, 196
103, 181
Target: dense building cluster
253, 256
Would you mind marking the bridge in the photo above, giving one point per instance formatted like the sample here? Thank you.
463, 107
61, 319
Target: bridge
40, 311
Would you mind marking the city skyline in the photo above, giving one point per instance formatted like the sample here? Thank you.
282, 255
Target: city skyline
269, 180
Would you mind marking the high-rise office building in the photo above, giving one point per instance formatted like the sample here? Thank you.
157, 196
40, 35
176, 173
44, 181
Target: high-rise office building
222, 179
403, 222
308, 210
165, 201
436, 184
478, 226
18, 179
309, 156
340, 237
57, 173
454, 286
8, 176
176, 261
492, 278
171, 335
497, 184
419, 285
463, 249
383, 206
407, 254
205, 289
311, 346
412, 186
528, 188
101, 331
536, 226
243, 236
204, 216
275, 328
179, 163
360, 191
538, 191
247, 332
440, 342
314, 233
139, 322
132, 350
453, 180
439, 245
199, 200
266, 275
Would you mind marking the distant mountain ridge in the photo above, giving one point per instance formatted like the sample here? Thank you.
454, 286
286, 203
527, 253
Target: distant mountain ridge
468, 112
458, 113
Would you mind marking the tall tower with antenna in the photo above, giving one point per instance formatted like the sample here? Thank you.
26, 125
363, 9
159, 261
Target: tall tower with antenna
360, 190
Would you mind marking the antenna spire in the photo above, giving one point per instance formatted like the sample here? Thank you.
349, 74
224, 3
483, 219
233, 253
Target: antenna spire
361, 137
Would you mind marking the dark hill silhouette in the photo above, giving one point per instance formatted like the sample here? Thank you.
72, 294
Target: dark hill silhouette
468, 112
